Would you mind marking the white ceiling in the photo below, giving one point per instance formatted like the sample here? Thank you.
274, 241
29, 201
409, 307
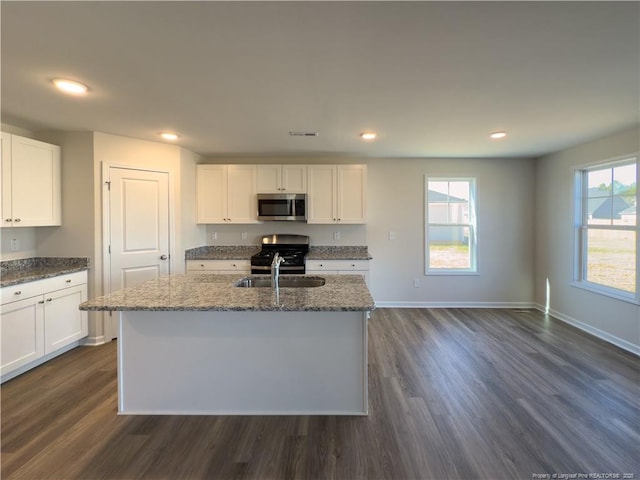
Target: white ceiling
233, 78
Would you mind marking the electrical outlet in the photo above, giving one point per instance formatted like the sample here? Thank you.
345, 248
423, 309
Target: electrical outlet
244, 235
15, 244
392, 235
336, 235
214, 236
416, 283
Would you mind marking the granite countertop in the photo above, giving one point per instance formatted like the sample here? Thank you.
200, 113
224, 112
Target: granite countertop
216, 292
244, 252
15, 272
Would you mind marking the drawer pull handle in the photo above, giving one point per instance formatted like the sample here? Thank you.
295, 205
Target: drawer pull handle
68, 281
18, 292
49, 299
41, 302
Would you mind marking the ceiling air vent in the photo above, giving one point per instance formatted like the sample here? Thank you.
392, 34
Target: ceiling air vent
303, 134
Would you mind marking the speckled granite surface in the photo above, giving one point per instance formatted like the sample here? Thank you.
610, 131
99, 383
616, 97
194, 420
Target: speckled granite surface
244, 252
15, 272
216, 292
338, 253
221, 252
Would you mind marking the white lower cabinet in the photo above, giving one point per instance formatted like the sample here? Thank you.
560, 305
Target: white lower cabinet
219, 266
21, 333
47, 323
338, 267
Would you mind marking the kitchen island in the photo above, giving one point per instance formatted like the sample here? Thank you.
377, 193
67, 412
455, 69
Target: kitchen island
197, 344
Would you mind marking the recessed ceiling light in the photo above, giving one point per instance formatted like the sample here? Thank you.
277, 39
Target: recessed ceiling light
368, 135
498, 135
70, 86
172, 137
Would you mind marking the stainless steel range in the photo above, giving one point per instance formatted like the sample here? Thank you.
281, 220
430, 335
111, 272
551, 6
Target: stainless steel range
293, 248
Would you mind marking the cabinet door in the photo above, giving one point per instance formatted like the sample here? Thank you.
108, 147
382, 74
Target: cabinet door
35, 183
269, 179
211, 193
63, 322
294, 178
352, 192
5, 179
21, 333
321, 188
242, 202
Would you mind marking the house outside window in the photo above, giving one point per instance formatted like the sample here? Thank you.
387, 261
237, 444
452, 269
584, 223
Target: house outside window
450, 235
607, 232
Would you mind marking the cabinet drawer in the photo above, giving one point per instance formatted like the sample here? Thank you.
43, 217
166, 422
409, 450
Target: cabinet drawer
22, 291
337, 265
215, 265
64, 281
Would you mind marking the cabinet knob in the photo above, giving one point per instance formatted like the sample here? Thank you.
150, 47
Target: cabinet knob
49, 299
16, 220
18, 292
41, 302
7, 219
68, 281
163, 257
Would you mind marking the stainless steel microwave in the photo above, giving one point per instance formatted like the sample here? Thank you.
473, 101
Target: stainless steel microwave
288, 207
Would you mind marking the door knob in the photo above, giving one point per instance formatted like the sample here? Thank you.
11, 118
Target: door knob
163, 257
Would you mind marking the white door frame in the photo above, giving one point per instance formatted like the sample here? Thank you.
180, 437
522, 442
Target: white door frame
106, 233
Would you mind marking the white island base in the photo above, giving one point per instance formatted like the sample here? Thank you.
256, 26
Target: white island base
242, 363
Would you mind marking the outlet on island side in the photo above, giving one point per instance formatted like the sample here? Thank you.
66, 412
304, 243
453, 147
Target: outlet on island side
416, 283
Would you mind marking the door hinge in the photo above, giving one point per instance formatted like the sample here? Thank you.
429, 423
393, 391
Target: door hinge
109, 248
108, 184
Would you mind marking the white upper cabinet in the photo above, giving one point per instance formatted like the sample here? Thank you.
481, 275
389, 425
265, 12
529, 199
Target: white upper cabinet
337, 193
226, 194
31, 189
282, 178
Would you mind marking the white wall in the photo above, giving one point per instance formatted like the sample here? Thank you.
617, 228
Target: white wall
615, 320
505, 233
193, 235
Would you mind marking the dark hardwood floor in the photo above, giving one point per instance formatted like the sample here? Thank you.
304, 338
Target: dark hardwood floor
453, 394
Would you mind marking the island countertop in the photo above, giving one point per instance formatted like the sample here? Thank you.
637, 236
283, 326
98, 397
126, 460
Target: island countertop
218, 293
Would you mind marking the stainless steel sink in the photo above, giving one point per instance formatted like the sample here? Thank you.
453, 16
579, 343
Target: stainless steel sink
284, 282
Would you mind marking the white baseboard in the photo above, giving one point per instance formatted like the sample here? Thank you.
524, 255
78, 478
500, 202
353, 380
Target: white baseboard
94, 341
455, 305
596, 332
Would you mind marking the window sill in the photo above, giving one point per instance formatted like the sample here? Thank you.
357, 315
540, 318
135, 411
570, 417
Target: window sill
605, 292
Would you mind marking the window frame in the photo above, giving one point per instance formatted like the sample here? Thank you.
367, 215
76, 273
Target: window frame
471, 225
582, 227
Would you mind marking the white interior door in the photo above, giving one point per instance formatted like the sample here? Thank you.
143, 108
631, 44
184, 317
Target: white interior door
138, 228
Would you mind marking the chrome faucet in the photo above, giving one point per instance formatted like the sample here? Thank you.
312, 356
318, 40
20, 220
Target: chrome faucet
275, 270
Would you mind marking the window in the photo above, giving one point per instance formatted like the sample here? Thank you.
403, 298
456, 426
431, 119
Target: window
607, 228
450, 225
